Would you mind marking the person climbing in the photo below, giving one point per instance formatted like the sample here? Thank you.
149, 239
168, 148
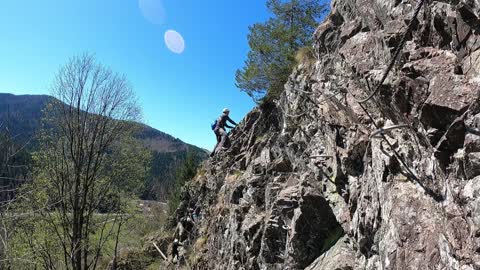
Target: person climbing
175, 255
219, 130
196, 213
188, 224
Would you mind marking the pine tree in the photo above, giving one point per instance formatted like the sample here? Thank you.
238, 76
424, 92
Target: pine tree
273, 45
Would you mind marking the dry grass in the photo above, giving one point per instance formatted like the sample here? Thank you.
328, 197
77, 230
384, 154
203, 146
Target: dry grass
200, 243
219, 209
305, 56
232, 178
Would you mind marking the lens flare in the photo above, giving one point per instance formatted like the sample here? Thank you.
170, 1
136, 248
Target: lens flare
174, 41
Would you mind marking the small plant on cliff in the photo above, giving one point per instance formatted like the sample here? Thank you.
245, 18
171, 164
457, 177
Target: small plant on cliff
305, 56
273, 45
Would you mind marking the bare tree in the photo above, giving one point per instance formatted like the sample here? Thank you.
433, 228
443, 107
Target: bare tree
93, 109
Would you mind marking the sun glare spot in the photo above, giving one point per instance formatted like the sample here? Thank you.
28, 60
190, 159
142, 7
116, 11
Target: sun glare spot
174, 41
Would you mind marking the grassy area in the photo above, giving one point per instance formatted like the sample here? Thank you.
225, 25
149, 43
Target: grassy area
144, 219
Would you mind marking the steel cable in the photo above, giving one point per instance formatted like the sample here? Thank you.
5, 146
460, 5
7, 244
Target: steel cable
397, 52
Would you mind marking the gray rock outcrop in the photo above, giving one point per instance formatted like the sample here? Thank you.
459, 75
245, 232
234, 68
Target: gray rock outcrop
317, 180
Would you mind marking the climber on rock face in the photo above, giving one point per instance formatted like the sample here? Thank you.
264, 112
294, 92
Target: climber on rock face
188, 223
196, 213
175, 246
220, 132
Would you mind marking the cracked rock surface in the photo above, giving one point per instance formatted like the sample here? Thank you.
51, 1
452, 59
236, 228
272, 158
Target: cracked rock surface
305, 185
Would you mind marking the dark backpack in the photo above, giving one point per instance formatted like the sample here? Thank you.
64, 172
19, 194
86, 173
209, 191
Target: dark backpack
214, 124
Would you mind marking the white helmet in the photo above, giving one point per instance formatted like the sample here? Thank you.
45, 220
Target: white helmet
226, 110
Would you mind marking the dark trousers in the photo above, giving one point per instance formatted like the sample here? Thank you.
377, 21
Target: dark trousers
222, 139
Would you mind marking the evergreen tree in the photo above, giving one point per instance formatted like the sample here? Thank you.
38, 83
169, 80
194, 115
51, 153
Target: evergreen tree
185, 173
273, 45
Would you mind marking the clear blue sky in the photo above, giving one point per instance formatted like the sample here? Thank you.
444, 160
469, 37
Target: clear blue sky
181, 94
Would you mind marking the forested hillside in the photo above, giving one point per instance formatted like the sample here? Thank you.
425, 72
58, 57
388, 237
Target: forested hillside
21, 116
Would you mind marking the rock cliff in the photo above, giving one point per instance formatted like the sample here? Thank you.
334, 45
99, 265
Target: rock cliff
324, 178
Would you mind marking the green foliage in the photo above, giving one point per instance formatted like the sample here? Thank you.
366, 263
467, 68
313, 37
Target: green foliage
22, 114
34, 242
273, 45
35, 233
130, 165
136, 259
32, 245
15, 160
87, 157
185, 173
162, 175
237, 173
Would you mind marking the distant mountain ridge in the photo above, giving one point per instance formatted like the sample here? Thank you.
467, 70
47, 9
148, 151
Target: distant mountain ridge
22, 114
161, 142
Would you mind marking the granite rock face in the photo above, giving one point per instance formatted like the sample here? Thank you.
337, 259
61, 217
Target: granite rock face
317, 180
